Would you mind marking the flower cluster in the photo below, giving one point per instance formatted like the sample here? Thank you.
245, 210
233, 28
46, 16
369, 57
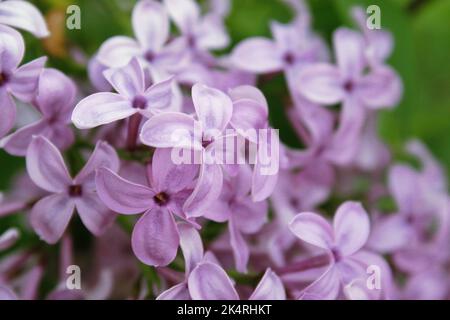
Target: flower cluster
173, 149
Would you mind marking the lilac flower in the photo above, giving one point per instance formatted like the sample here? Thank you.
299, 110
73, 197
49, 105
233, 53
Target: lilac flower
51, 215
132, 98
348, 82
155, 236
8, 238
208, 281
23, 15
343, 242
20, 82
55, 98
214, 110
151, 27
200, 33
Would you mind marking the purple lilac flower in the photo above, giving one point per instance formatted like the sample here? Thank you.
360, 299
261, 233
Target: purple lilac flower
50, 216
55, 98
20, 82
23, 15
155, 236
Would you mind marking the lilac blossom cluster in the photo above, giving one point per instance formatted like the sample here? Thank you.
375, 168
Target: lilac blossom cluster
162, 90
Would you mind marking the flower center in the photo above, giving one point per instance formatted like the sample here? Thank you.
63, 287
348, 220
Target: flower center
161, 198
149, 56
139, 102
349, 86
289, 58
336, 254
4, 78
75, 190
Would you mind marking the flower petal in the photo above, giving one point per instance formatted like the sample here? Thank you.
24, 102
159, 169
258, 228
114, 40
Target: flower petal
51, 215
155, 238
249, 216
160, 96
8, 117
177, 292
17, 143
349, 50
46, 166
94, 214
191, 245
326, 287
23, 15
128, 80
211, 33
24, 82
269, 287
321, 83
312, 228
240, 249
121, 195
12, 47
101, 108
103, 156
351, 227
150, 24
213, 107
8, 238
257, 55
208, 281
207, 190
171, 130
117, 51
185, 13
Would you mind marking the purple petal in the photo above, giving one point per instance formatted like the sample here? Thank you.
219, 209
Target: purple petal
56, 94
177, 292
128, 80
101, 108
312, 228
249, 216
185, 13
150, 24
171, 130
121, 195
269, 288
191, 245
46, 166
51, 215
207, 190
211, 33
402, 183
351, 227
239, 247
160, 96
118, 51
94, 214
95, 73
321, 83
7, 294
23, 15
8, 238
257, 55
208, 281
12, 47
390, 234
17, 143
326, 287
349, 51
8, 117
168, 176
213, 107
155, 238
380, 88
24, 82
103, 156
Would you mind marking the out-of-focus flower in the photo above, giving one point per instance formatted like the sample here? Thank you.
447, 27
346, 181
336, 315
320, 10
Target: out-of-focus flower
23, 15
51, 215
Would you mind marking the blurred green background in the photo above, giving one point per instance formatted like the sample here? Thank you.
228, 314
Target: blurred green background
422, 45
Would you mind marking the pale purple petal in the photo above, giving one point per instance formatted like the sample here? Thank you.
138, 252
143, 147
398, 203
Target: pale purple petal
312, 228
121, 195
351, 227
326, 287
24, 82
12, 47
241, 251
177, 292
185, 13
117, 51
17, 143
95, 71
211, 33
390, 234
128, 80
401, 179
8, 117
249, 216
208, 281
101, 108
269, 288
103, 156
349, 50
257, 55
213, 107
150, 24
168, 176
94, 214
171, 130
160, 96
46, 166
23, 15
207, 190
50, 216
155, 238
191, 245
8, 238
321, 83
7, 294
